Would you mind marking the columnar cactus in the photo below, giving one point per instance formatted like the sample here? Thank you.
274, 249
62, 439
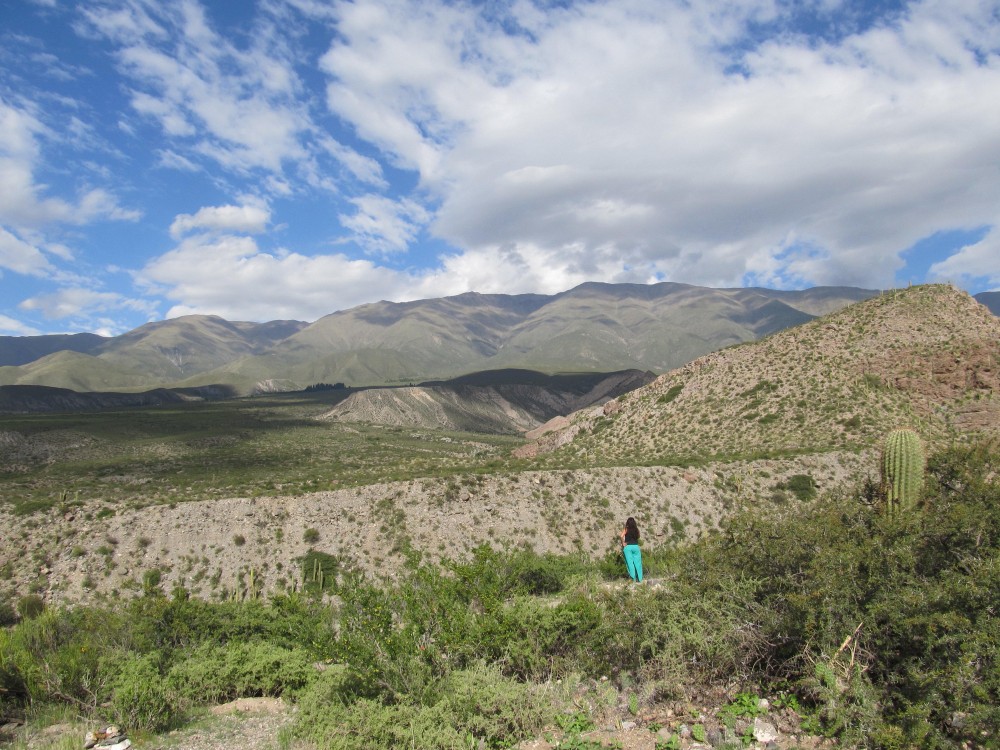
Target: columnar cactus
902, 469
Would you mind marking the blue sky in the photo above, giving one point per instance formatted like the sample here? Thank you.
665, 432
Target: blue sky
290, 158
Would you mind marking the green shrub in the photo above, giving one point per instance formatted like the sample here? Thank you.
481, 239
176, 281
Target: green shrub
286, 621
377, 726
319, 571
8, 615
219, 673
57, 655
803, 486
468, 707
30, 606
139, 697
151, 581
672, 393
493, 708
921, 586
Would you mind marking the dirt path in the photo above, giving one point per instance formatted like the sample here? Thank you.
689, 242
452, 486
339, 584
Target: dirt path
244, 724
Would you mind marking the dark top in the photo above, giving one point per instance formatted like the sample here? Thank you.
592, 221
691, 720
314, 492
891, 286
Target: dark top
631, 538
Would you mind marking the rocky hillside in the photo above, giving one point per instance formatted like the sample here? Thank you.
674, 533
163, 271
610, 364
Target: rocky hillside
928, 357
476, 405
216, 548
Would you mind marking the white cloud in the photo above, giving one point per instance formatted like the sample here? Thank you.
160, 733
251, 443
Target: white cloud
251, 219
981, 260
82, 302
11, 327
22, 201
172, 160
231, 277
22, 257
384, 225
237, 107
615, 129
546, 144
365, 169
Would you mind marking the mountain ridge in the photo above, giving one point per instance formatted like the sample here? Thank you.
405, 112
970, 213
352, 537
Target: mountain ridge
594, 327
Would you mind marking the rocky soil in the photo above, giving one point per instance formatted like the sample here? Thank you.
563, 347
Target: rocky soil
245, 545
694, 723
500, 408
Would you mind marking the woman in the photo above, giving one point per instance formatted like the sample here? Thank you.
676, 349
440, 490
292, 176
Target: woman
630, 548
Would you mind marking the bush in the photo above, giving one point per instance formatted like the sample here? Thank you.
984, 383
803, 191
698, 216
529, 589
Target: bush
921, 585
493, 708
139, 697
30, 606
468, 707
285, 621
57, 655
215, 674
803, 486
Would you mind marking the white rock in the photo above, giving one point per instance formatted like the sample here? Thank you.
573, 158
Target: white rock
764, 732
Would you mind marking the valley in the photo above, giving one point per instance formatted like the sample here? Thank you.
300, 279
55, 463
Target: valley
461, 534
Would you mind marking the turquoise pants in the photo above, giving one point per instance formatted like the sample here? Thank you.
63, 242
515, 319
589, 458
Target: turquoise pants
633, 559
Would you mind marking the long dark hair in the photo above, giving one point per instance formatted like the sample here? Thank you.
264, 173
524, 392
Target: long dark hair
631, 528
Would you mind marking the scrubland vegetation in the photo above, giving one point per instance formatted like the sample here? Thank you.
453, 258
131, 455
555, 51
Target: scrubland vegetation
879, 628
204, 451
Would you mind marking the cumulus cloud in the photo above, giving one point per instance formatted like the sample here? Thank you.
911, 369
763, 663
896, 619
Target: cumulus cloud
238, 281
82, 302
251, 219
240, 107
384, 225
526, 146
629, 128
23, 203
231, 276
980, 260
22, 257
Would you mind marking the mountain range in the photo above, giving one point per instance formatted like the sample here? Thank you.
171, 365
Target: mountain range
594, 327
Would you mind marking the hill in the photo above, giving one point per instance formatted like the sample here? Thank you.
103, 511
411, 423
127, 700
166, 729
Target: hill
20, 350
504, 402
156, 354
991, 300
21, 399
927, 356
592, 328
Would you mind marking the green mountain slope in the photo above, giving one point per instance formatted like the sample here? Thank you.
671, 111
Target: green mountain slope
20, 350
173, 350
592, 328
78, 372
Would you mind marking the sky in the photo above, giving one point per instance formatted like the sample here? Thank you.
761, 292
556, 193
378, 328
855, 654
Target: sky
286, 159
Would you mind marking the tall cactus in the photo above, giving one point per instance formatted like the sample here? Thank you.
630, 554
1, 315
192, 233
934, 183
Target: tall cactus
902, 469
